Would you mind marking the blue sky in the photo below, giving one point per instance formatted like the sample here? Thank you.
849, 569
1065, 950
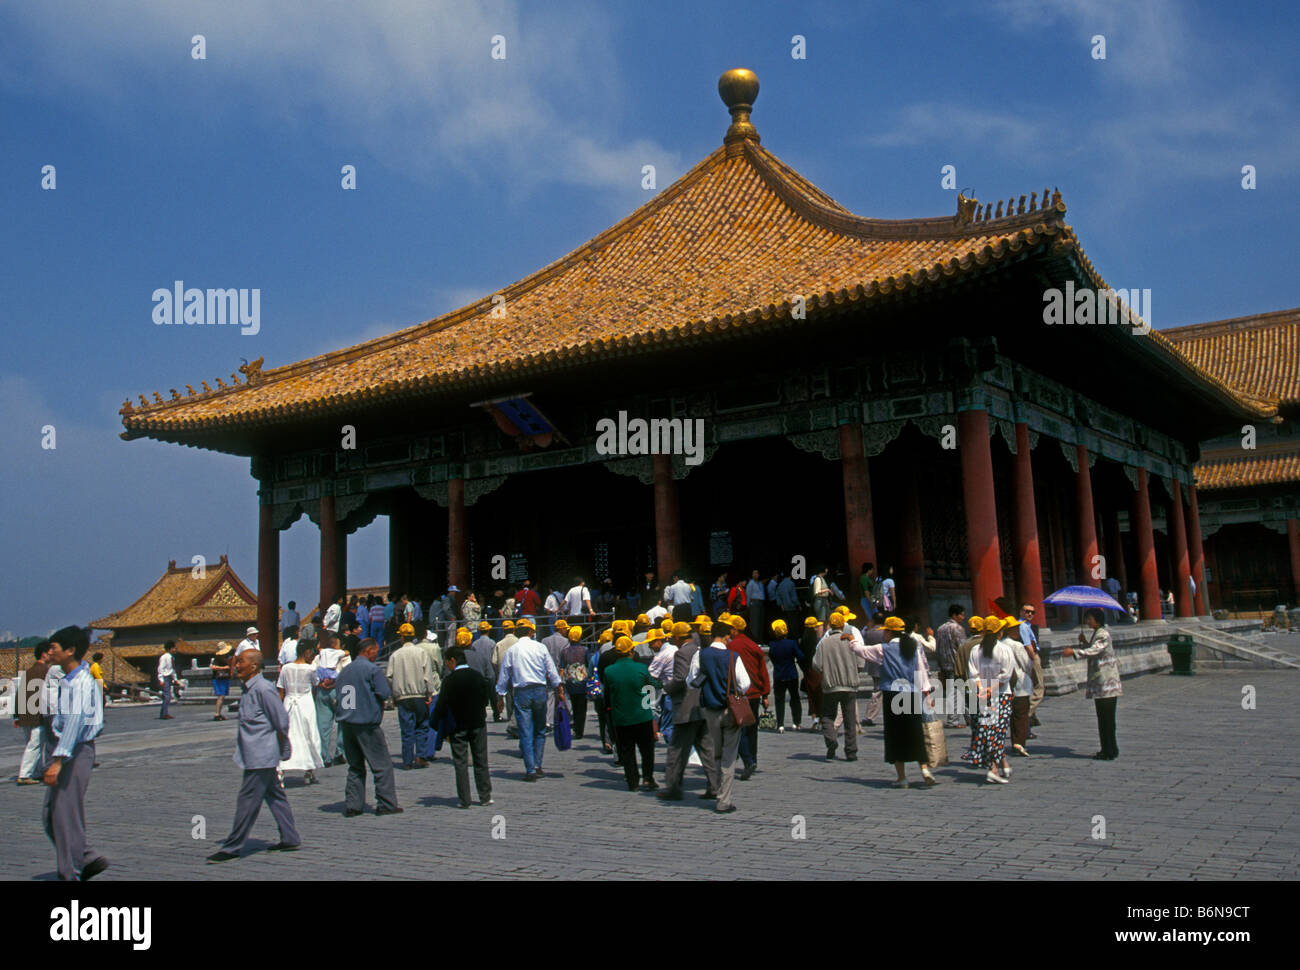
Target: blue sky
472, 172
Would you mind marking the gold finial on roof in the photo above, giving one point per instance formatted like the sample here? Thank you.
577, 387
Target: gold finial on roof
738, 88
204, 385
143, 402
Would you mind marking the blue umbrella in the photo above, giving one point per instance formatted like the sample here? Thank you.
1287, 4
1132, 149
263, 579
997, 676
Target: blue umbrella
1083, 596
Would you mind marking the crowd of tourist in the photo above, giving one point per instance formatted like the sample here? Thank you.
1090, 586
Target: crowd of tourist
690, 672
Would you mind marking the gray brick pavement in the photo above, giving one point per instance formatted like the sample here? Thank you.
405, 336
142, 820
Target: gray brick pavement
1203, 790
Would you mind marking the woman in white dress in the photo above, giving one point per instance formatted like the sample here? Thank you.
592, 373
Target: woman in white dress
296, 682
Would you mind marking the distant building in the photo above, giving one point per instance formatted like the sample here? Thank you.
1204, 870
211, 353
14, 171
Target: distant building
1249, 481
196, 611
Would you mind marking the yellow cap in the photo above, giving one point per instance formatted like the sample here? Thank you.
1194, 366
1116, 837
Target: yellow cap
623, 645
561, 624
605, 636
895, 624
812, 621
682, 629
844, 612
837, 621
976, 623
643, 619
524, 624
702, 618
575, 634
992, 624
464, 638
406, 630
779, 628
737, 623
507, 624
666, 624
484, 627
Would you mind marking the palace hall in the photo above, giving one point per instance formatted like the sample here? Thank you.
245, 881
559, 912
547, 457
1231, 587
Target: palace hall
881, 390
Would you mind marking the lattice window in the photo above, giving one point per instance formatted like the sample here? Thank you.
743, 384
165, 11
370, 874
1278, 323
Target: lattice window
943, 521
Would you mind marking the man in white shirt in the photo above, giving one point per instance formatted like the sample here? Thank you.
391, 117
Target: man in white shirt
289, 647
249, 642
661, 669
332, 616
655, 615
166, 676
528, 671
577, 601
678, 597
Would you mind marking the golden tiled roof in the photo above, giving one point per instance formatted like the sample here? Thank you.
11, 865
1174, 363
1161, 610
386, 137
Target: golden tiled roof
219, 597
1245, 469
1259, 355
120, 672
725, 250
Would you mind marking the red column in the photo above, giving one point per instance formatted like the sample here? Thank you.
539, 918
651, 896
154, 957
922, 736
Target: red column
1148, 577
668, 536
1086, 519
329, 553
1293, 539
268, 583
457, 535
1029, 569
981, 508
859, 524
1182, 569
1197, 552
913, 596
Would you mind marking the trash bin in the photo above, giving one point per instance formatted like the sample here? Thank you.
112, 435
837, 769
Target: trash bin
1181, 649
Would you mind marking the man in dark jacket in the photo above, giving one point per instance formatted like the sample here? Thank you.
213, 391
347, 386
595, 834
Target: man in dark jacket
363, 688
464, 696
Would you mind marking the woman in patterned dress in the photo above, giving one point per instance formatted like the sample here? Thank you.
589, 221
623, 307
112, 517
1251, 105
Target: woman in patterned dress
991, 665
1103, 679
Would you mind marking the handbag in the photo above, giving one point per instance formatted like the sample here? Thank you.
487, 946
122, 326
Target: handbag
737, 706
563, 726
936, 744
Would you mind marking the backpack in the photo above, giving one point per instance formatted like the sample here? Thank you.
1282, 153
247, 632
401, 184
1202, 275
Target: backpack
576, 673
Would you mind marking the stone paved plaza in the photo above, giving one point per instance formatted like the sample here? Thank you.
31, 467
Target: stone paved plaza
1203, 790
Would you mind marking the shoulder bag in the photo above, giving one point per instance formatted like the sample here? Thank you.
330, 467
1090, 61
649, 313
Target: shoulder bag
737, 705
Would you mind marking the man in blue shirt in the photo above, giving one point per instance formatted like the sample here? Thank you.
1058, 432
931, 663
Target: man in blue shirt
363, 688
77, 720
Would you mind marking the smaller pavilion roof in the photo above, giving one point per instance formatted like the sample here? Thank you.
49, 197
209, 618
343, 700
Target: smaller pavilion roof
178, 596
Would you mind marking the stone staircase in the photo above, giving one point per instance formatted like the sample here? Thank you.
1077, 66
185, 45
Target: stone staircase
1222, 648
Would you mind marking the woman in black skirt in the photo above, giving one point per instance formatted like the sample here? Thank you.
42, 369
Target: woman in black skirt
904, 682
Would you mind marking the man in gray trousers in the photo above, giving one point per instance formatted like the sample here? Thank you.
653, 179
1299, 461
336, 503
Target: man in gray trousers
687, 720
363, 688
261, 744
78, 718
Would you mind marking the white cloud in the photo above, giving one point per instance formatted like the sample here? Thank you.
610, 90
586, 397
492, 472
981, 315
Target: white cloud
413, 82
